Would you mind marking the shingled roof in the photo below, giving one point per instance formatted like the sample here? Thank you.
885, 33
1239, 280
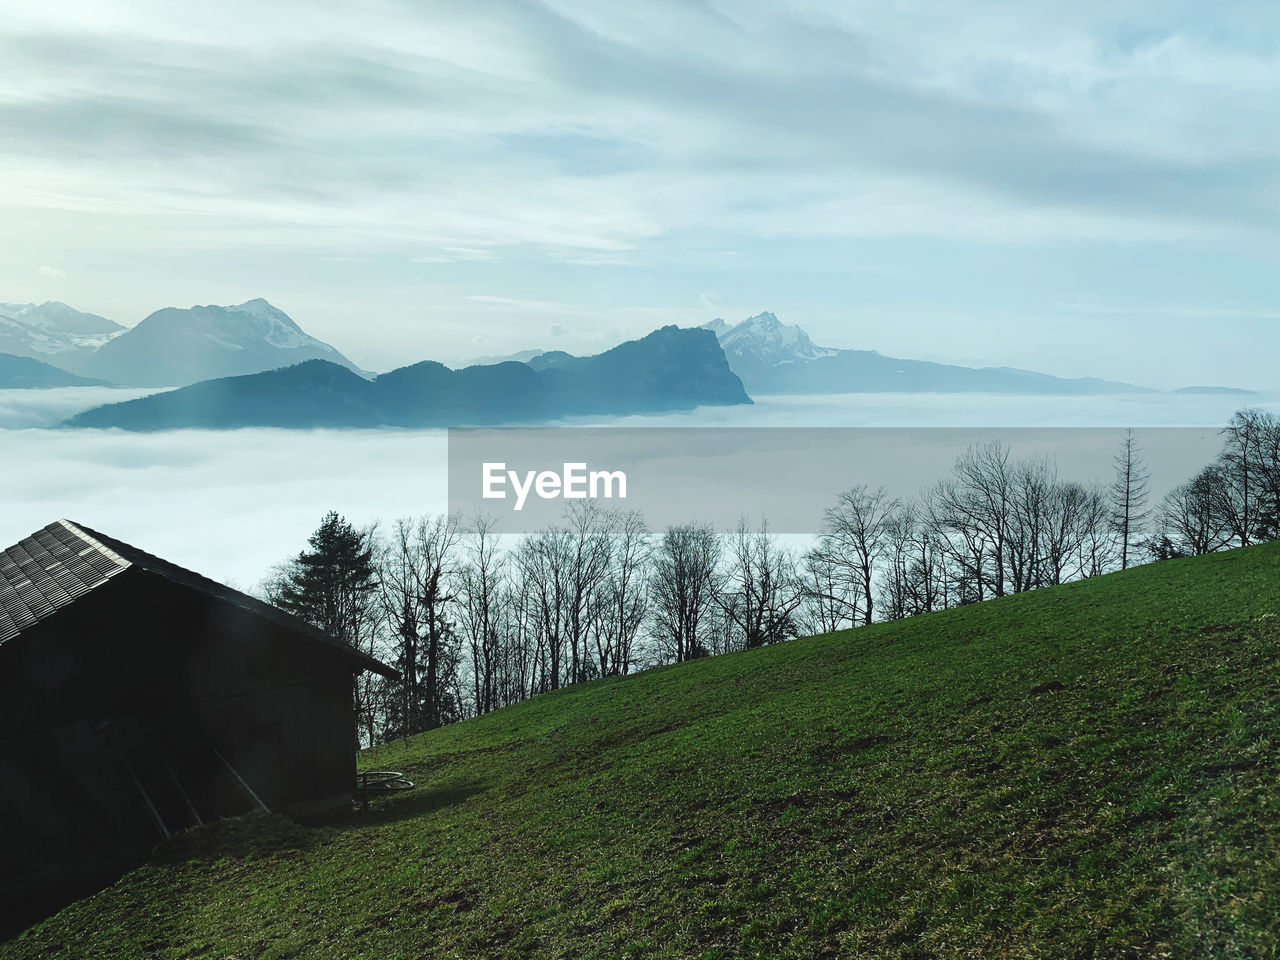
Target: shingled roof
54, 567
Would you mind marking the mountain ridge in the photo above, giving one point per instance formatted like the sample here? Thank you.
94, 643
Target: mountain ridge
53, 331
177, 347
670, 369
772, 357
24, 373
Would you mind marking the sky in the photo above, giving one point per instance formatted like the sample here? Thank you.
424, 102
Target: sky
1083, 188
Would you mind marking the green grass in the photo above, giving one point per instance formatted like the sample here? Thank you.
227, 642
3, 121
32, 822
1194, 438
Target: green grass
1087, 771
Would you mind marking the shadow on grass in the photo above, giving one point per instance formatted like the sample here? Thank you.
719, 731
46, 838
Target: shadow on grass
253, 837
410, 804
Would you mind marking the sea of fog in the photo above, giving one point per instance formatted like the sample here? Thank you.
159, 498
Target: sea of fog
231, 504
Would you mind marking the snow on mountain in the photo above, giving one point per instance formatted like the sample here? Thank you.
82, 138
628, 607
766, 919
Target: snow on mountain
771, 357
174, 347
53, 329
719, 326
272, 325
763, 341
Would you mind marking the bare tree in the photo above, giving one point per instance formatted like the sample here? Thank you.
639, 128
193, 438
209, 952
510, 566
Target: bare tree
480, 588
1098, 549
1128, 495
543, 561
830, 595
683, 589
1192, 515
590, 532
915, 580
1065, 540
623, 597
520, 628
975, 505
760, 592
1268, 449
418, 589
1033, 484
856, 533
1241, 472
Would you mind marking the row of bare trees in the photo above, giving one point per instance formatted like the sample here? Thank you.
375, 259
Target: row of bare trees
475, 621
1234, 501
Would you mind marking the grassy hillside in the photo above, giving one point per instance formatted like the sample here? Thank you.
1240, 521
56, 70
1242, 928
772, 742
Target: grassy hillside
1085, 771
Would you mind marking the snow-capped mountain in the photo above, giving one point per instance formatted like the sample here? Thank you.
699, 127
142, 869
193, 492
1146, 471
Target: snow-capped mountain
773, 357
53, 331
764, 341
174, 347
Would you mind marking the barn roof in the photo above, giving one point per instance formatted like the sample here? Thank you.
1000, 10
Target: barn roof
54, 567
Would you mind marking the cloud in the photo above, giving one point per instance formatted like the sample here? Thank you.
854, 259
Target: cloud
231, 504
592, 130
609, 155
46, 271
515, 302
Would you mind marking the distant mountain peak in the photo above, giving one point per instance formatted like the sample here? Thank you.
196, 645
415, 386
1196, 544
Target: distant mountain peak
173, 346
772, 357
766, 341
55, 317
53, 330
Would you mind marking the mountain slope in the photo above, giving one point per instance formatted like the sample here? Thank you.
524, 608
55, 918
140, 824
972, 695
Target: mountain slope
24, 372
669, 369
53, 331
1089, 770
173, 347
772, 357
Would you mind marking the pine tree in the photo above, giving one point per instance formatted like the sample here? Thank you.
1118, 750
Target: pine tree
332, 586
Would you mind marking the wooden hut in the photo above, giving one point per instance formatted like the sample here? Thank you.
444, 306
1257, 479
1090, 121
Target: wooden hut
138, 698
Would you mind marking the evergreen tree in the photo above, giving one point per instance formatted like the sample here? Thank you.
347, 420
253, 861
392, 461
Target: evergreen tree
332, 586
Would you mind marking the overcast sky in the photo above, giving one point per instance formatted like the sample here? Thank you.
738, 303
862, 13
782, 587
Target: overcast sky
1079, 187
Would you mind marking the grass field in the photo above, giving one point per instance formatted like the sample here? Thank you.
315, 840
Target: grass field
1091, 770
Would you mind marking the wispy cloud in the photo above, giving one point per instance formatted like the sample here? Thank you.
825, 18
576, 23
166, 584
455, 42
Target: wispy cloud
515, 302
593, 128
520, 142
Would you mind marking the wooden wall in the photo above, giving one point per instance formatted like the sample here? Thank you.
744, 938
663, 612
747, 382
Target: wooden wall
138, 683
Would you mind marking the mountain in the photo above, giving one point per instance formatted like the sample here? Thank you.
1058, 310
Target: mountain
23, 372
173, 347
670, 369
53, 331
772, 357
1215, 391
521, 356
761, 343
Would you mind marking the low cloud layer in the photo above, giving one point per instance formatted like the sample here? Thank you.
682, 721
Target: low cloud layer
232, 504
